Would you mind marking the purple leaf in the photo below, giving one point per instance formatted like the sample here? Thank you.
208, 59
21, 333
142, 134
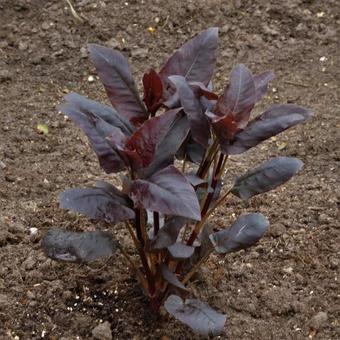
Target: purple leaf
266, 177
104, 202
81, 247
201, 90
245, 232
167, 148
270, 123
225, 128
199, 124
105, 112
194, 179
261, 84
239, 97
172, 278
115, 74
180, 251
143, 143
153, 91
97, 130
168, 235
195, 60
201, 318
167, 192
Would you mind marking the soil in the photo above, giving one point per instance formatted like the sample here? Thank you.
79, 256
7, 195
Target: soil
287, 287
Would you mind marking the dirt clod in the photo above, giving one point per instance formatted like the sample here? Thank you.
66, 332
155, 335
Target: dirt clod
319, 320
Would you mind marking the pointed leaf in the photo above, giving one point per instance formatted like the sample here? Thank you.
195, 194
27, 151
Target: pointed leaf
199, 124
180, 251
167, 192
168, 235
266, 177
201, 318
104, 202
77, 246
245, 232
97, 130
115, 74
270, 123
105, 112
153, 91
239, 97
172, 278
261, 84
195, 60
143, 143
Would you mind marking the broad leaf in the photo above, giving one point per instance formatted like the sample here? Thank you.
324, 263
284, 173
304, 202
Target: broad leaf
261, 84
195, 60
239, 97
166, 150
104, 202
97, 130
77, 246
153, 91
168, 192
180, 251
270, 123
168, 235
105, 112
199, 124
142, 145
201, 318
266, 177
115, 74
245, 232
172, 278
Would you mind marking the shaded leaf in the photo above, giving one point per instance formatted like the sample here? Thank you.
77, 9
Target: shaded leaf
201, 318
97, 130
142, 145
105, 112
199, 125
168, 235
172, 278
194, 179
78, 247
201, 90
261, 84
104, 202
245, 232
195, 60
115, 74
239, 97
153, 91
180, 251
270, 123
167, 192
266, 177
167, 148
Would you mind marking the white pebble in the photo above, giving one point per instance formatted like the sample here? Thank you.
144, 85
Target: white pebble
33, 231
90, 79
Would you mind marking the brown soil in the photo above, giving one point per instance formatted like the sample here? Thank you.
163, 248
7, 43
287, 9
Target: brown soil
274, 291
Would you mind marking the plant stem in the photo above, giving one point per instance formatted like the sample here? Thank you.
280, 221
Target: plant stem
134, 267
194, 269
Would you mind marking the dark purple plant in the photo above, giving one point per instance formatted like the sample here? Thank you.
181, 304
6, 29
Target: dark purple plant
164, 208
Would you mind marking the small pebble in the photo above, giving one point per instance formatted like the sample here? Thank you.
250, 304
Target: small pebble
102, 331
90, 79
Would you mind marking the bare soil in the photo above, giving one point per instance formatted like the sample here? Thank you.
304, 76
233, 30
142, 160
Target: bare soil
287, 287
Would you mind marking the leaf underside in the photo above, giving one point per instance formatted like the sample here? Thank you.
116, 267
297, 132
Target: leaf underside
266, 177
201, 318
244, 232
81, 247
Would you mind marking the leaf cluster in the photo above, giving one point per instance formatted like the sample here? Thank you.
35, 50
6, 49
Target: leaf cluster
165, 208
